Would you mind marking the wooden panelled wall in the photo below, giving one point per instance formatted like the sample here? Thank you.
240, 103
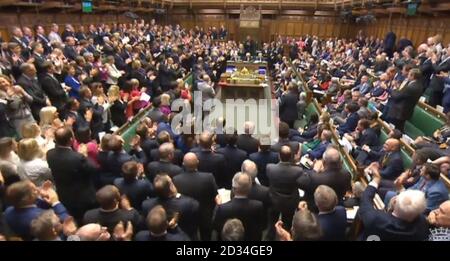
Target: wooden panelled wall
46, 19
417, 29
293, 26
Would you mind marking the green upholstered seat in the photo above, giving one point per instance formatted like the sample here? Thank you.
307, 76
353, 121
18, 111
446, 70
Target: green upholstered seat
310, 110
422, 123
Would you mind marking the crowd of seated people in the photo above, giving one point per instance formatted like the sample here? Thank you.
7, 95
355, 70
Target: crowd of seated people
66, 175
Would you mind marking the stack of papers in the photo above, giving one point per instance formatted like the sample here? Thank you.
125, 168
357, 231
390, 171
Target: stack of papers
224, 194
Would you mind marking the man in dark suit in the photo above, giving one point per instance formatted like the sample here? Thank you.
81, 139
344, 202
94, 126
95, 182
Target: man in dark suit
183, 208
325, 141
352, 119
405, 222
390, 160
283, 139
233, 158
158, 228
69, 49
41, 38
119, 156
258, 191
31, 85
366, 136
210, 161
200, 186
110, 213
332, 175
246, 141
263, 157
38, 55
250, 212
155, 113
73, 175
164, 165
133, 185
162, 138
437, 83
17, 37
404, 99
332, 218
52, 87
288, 105
283, 187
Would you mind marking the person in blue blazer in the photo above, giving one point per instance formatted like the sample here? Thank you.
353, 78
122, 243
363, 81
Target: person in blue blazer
352, 120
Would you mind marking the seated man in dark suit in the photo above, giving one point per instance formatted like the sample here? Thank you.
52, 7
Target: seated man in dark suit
331, 175
110, 213
263, 157
283, 187
133, 185
404, 223
164, 165
364, 136
246, 141
233, 158
250, 212
183, 207
159, 229
352, 119
325, 141
332, 218
390, 161
210, 161
26, 206
200, 186
283, 134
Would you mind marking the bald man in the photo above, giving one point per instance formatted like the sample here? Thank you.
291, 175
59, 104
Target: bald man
390, 160
283, 186
200, 186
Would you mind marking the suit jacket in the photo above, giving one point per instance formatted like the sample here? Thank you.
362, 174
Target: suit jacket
156, 115
70, 52
435, 192
350, 124
34, 89
54, 90
293, 144
233, 162
45, 43
213, 163
247, 143
403, 101
110, 219
172, 235
117, 159
156, 167
250, 212
261, 159
283, 186
337, 179
19, 219
136, 190
38, 63
177, 159
118, 116
318, 151
187, 207
368, 137
391, 164
261, 193
200, 186
288, 107
73, 175
333, 224
385, 225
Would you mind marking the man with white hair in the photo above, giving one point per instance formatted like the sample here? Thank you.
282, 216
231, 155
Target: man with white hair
258, 191
332, 218
405, 222
245, 141
250, 212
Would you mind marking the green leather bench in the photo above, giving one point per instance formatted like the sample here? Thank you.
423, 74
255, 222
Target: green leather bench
422, 123
310, 110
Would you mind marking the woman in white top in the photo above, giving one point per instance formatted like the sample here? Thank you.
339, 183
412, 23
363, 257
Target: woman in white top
31, 166
113, 73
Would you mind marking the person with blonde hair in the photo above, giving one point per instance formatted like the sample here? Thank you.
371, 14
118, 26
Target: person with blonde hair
32, 131
32, 166
165, 104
